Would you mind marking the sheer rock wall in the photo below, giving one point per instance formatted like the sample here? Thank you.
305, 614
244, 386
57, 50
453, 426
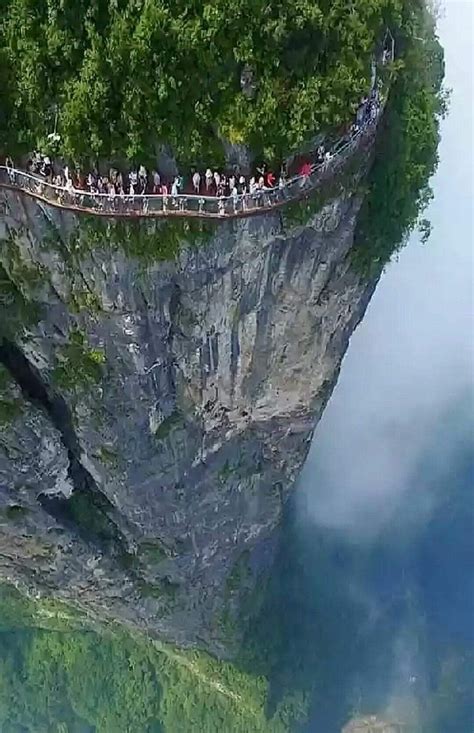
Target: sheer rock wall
150, 492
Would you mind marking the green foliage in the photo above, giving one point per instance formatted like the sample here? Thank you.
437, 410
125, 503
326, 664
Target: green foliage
169, 424
90, 517
108, 456
239, 574
77, 681
163, 589
228, 469
19, 284
78, 365
18, 612
10, 403
136, 74
406, 152
153, 551
299, 213
147, 242
50, 681
15, 511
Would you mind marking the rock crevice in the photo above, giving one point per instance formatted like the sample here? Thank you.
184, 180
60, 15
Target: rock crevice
188, 392
86, 509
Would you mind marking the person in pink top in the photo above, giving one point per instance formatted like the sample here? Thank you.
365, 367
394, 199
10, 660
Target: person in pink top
270, 179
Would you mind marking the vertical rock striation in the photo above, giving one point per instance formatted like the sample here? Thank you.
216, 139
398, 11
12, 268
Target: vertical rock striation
156, 412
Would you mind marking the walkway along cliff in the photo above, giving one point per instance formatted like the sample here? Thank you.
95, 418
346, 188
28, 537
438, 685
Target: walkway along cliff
126, 206
160, 382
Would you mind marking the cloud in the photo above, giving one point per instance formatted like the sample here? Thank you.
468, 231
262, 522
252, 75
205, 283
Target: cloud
412, 358
389, 449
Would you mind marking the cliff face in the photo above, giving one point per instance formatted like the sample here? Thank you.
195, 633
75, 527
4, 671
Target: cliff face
156, 412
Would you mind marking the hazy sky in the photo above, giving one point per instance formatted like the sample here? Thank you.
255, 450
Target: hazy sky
387, 445
412, 357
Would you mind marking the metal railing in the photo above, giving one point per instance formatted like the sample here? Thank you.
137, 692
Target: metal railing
187, 205
157, 205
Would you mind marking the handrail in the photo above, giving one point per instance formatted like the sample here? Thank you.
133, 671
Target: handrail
158, 205
187, 205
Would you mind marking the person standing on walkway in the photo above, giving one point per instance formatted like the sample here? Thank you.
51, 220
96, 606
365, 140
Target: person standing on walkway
175, 190
133, 178
235, 198
208, 180
143, 178
47, 168
271, 180
196, 182
156, 182
9, 167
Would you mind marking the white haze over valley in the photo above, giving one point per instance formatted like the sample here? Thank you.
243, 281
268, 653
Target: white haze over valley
411, 360
403, 406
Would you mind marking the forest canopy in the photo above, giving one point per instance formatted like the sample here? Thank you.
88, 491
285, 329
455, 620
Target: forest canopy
74, 681
406, 151
119, 78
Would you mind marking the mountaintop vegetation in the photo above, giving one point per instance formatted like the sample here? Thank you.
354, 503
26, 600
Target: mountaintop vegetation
119, 78
406, 150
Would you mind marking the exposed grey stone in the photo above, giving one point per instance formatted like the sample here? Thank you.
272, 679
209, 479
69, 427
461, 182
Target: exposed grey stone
218, 367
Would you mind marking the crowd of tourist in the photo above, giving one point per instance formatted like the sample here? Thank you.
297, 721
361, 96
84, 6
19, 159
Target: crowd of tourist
141, 182
233, 186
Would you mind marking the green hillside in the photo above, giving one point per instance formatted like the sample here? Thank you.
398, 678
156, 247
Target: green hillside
122, 76
61, 679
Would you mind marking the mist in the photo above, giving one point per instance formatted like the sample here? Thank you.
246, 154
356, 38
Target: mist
389, 480
412, 357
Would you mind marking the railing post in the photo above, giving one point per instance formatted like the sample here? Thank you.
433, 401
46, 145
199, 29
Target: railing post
146, 205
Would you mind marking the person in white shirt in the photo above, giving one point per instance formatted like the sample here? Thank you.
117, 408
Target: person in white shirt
235, 197
133, 177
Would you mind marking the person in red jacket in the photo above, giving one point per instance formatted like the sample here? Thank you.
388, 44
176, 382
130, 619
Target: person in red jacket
271, 180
